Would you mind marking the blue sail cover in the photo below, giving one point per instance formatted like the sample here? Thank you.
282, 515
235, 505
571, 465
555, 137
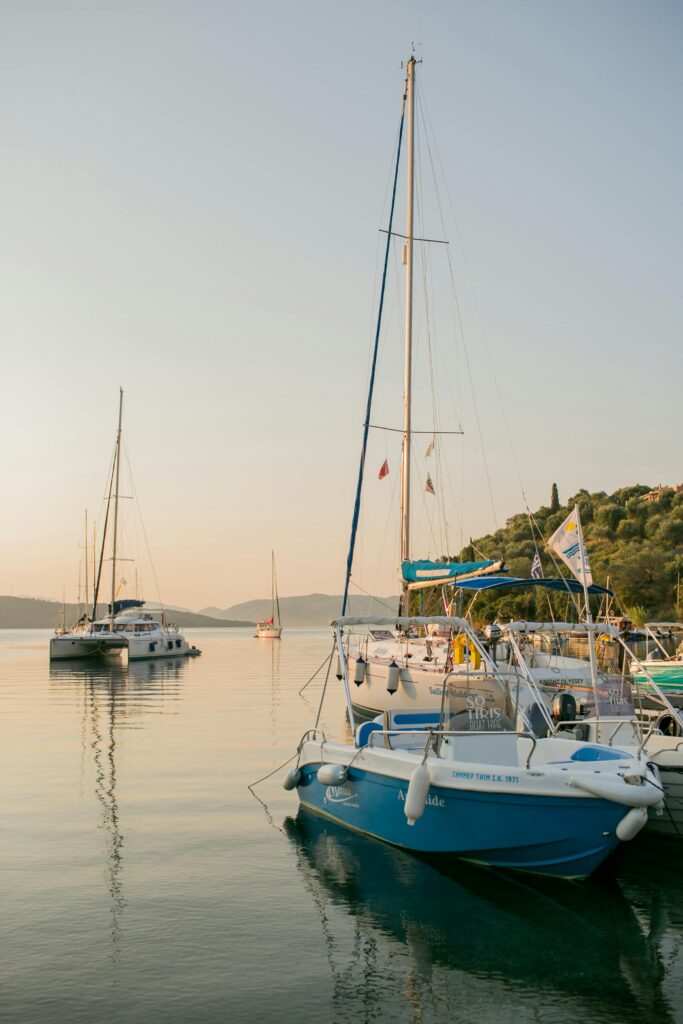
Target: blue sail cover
515, 583
425, 571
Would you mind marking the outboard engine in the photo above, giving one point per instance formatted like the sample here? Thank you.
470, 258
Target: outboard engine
493, 633
563, 708
669, 725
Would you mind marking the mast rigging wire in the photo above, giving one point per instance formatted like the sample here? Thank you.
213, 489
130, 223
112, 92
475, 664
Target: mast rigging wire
371, 388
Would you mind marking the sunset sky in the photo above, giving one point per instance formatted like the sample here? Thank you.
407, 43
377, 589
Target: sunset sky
192, 193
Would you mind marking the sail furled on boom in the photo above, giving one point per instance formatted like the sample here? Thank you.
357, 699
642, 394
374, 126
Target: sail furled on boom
427, 573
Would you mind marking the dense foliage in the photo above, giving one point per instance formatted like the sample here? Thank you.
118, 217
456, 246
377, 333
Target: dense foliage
634, 543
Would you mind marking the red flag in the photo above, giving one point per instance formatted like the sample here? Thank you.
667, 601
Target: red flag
384, 471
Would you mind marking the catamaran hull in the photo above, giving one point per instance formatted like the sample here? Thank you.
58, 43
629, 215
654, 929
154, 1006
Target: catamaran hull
68, 647
143, 649
565, 837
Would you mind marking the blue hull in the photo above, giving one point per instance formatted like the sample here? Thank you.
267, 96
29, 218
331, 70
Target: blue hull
562, 836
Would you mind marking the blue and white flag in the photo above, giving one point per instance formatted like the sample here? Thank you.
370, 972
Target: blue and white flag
536, 568
567, 542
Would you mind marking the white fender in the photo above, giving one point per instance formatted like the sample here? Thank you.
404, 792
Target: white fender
331, 774
359, 671
292, 779
631, 824
393, 677
618, 792
416, 797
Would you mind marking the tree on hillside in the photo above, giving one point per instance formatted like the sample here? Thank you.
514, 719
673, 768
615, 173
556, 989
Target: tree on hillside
554, 498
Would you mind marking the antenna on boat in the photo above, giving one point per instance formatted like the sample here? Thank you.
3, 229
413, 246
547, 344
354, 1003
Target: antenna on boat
407, 377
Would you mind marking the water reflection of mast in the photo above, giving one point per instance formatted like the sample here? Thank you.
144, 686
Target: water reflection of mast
104, 750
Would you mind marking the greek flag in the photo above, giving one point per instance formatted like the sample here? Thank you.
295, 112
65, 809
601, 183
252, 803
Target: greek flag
536, 568
567, 542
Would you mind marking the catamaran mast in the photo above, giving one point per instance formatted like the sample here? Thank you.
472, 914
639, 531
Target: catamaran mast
85, 582
116, 510
276, 599
407, 379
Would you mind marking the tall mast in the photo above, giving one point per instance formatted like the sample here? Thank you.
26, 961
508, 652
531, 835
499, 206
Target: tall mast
94, 566
272, 585
408, 371
85, 582
116, 509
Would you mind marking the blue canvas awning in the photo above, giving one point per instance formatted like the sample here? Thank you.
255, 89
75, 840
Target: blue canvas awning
124, 603
516, 583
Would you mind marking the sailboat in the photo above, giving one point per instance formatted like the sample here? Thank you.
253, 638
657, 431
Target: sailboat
461, 779
128, 627
271, 629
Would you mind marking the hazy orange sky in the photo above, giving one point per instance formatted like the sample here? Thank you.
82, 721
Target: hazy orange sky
192, 195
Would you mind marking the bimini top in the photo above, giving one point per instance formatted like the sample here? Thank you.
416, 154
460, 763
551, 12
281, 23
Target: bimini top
516, 583
424, 573
123, 604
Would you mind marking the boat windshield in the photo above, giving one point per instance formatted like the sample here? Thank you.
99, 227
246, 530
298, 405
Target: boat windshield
475, 699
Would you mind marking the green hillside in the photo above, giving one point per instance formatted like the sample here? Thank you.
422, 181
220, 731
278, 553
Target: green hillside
635, 541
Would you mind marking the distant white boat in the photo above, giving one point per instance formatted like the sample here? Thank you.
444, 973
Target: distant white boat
271, 629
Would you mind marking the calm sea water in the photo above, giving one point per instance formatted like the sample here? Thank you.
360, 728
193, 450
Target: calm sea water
142, 882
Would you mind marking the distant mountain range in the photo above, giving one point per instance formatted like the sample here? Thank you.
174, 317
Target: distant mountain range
307, 610
36, 613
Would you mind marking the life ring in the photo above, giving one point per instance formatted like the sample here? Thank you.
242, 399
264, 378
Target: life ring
465, 652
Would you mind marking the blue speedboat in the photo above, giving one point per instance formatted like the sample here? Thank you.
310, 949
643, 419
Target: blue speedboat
456, 778
464, 783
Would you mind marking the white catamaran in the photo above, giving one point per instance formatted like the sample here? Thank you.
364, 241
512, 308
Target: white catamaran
128, 627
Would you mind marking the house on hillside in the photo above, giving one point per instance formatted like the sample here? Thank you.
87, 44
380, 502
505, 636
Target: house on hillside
657, 493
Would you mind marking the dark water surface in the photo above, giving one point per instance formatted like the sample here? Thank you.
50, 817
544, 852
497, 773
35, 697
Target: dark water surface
141, 882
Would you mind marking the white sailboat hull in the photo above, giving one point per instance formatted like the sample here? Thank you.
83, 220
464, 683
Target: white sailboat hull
422, 687
419, 688
266, 632
70, 646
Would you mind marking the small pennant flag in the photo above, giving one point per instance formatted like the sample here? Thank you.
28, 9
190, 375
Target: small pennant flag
430, 448
384, 469
429, 486
536, 568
